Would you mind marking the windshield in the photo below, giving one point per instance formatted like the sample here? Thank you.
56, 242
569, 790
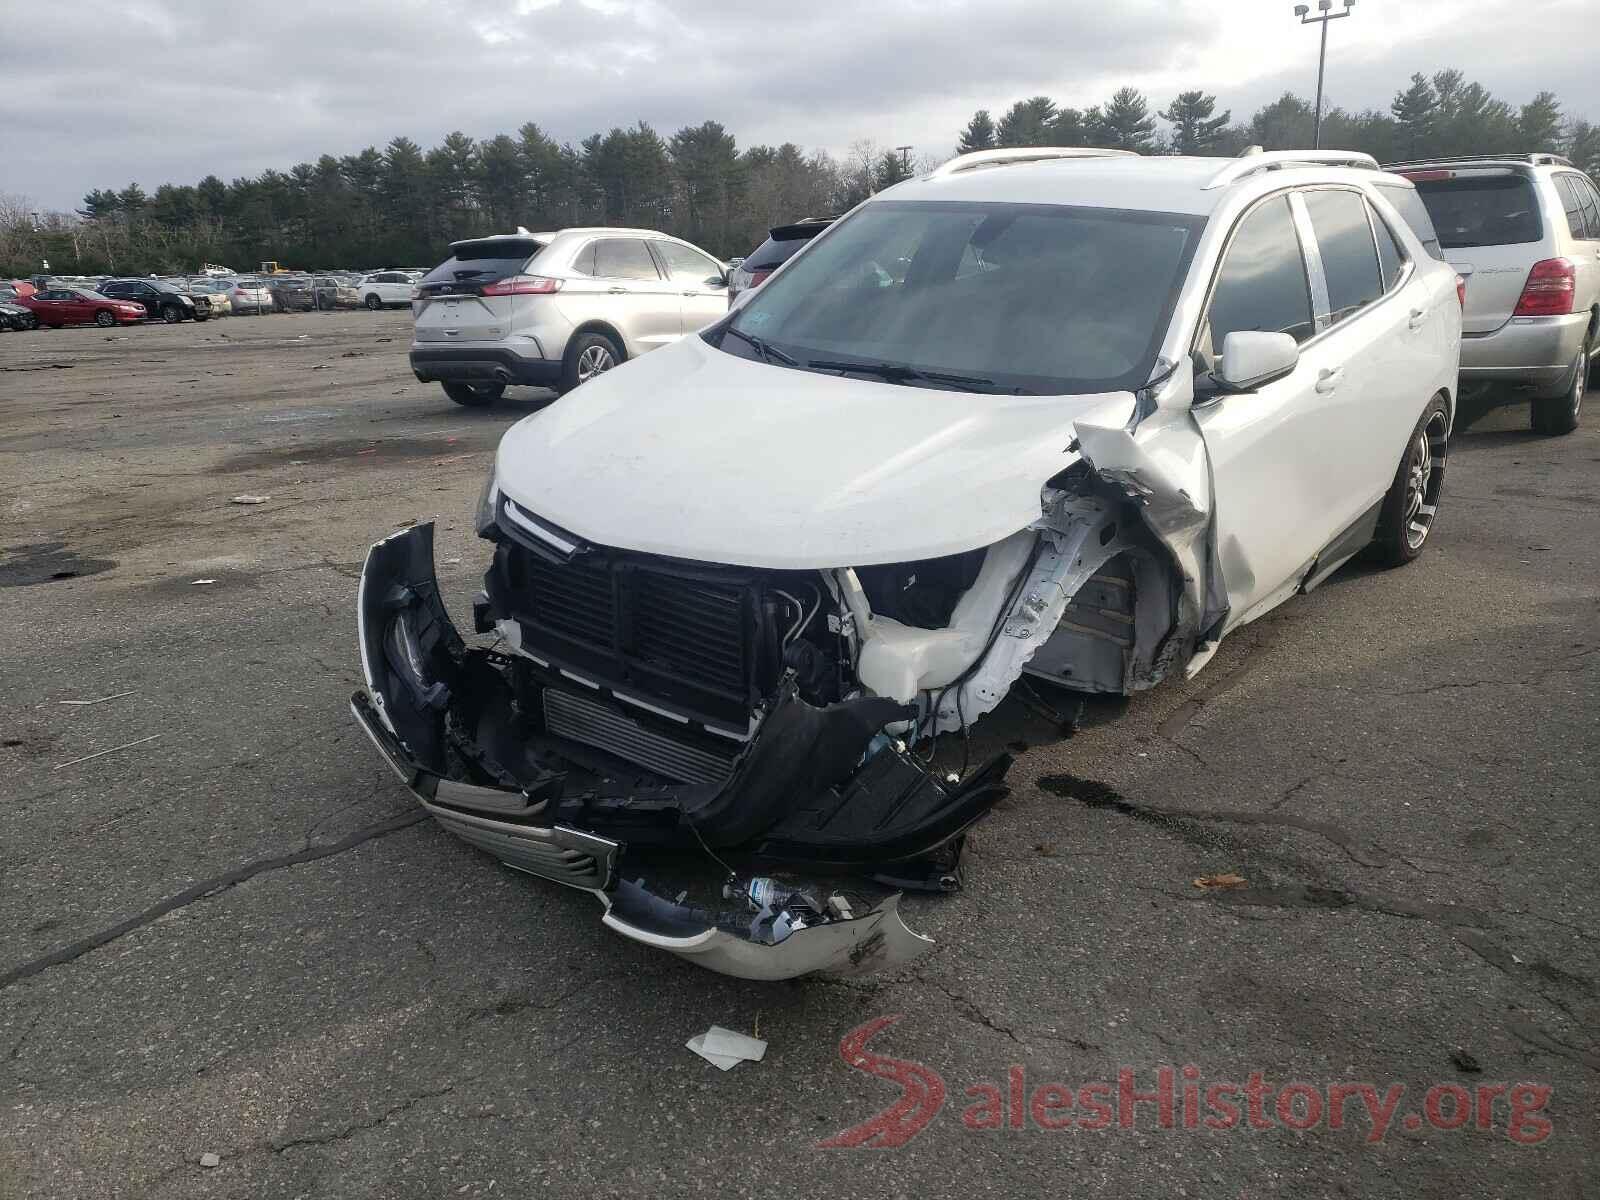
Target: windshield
1035, 298
1482, 210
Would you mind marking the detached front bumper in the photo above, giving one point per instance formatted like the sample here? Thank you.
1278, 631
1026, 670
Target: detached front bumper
814, 786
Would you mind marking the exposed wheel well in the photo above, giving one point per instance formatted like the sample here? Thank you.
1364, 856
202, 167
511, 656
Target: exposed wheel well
601, 327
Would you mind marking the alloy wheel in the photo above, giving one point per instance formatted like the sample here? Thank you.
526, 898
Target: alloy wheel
593, 361
1425, 480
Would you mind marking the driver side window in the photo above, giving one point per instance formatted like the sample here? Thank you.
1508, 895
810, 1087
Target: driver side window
1262, 284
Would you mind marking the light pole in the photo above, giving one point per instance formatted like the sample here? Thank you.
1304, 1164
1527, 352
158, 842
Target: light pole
1325, 14
905, 159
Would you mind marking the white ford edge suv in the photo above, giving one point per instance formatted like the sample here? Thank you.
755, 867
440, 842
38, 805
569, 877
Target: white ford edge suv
1064, 413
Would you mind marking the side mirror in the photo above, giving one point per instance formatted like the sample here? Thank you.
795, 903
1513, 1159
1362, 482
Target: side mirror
1251, 359
718, 281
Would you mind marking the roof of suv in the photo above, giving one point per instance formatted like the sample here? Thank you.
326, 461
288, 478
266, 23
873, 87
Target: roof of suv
1166, 183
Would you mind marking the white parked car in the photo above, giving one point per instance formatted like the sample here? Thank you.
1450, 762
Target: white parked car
385, 289
1053, 412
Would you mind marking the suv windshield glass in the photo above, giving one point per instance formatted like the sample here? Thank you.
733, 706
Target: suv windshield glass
1016, 297
485, 261
1482, 210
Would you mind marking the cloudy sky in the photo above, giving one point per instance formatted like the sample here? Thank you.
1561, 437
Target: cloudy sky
101, 92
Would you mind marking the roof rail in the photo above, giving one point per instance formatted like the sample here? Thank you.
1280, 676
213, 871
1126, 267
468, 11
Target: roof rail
1255, 160
1020, 154
1540, 159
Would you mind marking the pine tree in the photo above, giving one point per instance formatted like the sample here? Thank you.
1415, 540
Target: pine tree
978, 135
1028, 123
1127, 122
1416, 112
1194, 129
1539, 123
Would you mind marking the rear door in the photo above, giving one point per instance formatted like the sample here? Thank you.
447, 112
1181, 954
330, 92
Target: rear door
701, 282
617, 282
452, 305
1492, 230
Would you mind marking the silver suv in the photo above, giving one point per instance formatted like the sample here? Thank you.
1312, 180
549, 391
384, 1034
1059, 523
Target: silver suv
556, 309
1523, 232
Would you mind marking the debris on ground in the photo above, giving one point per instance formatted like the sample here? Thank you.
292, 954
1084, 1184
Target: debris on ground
201, 582
1465, 1062
210, 1160
725, 1049
101, 699
1220, 881
248, 499
102, 753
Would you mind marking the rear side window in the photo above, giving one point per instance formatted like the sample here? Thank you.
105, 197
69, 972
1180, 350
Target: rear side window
1262, 286
1349, 255
624, 258
1572, 202
1482, 210
687, 266
1591, 204
1415, 214
485, 261
1391, 258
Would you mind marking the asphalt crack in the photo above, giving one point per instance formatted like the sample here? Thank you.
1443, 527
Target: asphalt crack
205, 888
1095, 794
349, 1131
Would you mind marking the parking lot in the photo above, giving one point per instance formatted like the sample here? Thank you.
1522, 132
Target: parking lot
229, 933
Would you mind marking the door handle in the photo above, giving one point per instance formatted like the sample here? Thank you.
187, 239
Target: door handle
1417, 317
691, 293
1329, 379
618, 291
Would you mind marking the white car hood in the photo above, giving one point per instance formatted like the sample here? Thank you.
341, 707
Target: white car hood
694, 453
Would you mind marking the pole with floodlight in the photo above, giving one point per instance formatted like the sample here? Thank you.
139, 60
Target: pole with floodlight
1325, 14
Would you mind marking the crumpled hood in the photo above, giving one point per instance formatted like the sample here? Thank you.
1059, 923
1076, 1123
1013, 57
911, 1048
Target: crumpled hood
693, 453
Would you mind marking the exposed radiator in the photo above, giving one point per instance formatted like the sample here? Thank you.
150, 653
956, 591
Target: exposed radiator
582, 720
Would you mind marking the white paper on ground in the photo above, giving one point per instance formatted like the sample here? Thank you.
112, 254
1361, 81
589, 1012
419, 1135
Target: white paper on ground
724, 1062
725, 1041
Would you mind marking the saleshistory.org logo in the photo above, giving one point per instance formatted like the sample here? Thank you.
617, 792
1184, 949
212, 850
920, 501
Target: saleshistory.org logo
1179, 1098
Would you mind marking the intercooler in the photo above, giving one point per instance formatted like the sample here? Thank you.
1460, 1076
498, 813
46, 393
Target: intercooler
582, 720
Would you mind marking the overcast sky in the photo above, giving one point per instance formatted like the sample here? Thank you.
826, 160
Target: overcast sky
101, 92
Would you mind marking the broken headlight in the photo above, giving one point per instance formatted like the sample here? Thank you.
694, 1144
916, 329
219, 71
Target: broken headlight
488, 501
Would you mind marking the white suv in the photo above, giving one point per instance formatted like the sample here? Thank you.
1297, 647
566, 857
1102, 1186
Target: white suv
385, 289
1063, 413
1523, 231
557, 309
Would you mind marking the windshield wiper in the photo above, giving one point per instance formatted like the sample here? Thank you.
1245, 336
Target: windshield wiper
901, 373
768, 353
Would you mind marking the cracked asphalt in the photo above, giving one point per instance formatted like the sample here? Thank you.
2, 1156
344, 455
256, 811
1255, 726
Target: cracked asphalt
228, 934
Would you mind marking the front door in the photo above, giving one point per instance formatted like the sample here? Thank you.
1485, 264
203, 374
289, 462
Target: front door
1266, 447
701, 282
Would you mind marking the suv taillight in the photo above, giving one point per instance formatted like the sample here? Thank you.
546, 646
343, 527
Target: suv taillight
522, 285
1550, 289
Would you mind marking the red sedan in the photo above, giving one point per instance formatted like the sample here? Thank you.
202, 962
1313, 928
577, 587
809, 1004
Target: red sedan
56, 307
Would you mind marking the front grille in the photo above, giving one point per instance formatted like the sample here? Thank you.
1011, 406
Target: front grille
583, 720
685, 636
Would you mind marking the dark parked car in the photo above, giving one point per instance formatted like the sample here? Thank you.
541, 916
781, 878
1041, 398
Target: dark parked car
15, 316
56, 307
158, 299
292, 293
783, 242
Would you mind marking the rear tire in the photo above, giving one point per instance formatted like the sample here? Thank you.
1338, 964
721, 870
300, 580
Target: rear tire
1556, 415
374, 303
588, 355
172, 314
474, 395
28, 322
1406, 519
105, 318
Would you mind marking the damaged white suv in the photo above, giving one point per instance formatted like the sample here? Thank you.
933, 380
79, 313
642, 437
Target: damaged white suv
1063, 412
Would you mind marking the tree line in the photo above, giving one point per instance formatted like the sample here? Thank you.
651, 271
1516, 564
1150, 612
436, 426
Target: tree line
402, 205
